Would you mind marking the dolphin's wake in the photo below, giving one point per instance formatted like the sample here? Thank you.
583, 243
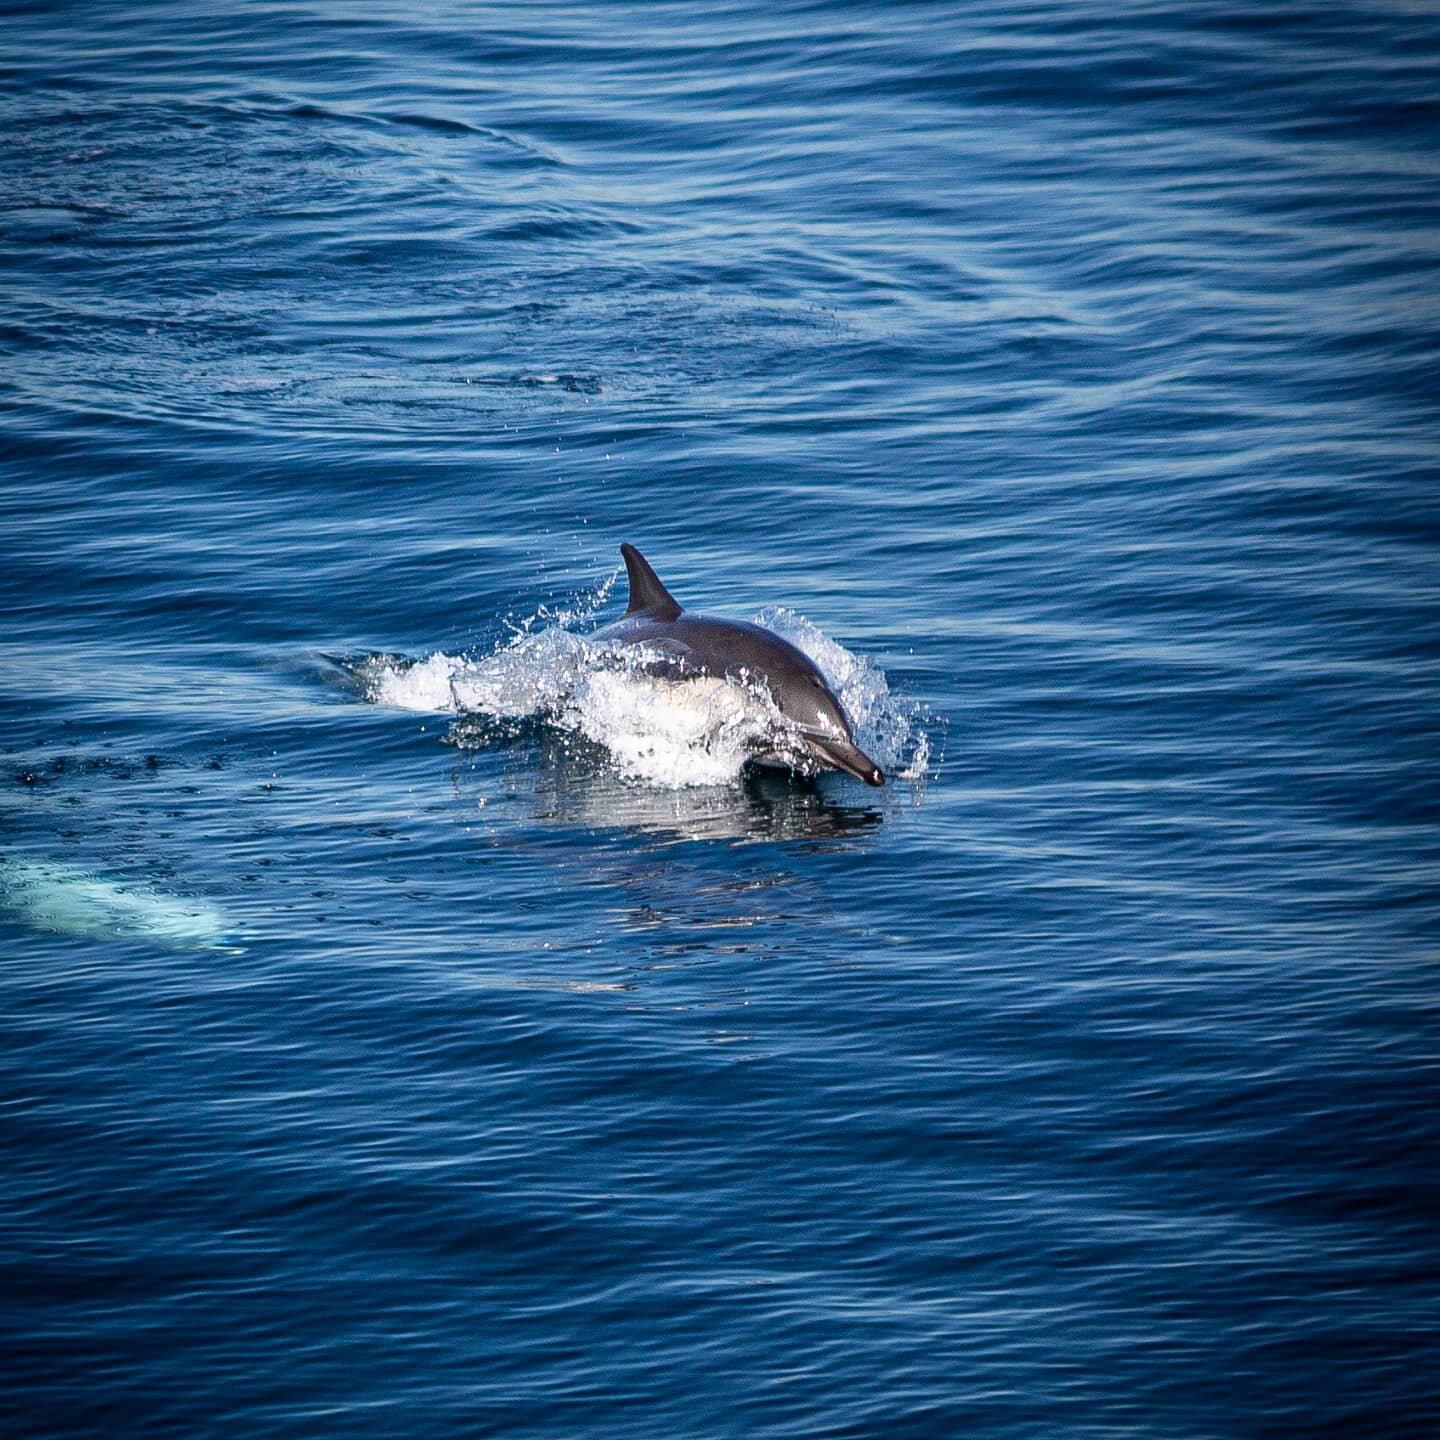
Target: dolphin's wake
658, 732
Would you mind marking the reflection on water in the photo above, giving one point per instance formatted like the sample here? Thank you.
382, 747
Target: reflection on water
626, 867
580, 790
569, 782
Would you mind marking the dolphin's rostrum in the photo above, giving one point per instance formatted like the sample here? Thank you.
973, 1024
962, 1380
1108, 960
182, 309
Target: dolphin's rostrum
691, 645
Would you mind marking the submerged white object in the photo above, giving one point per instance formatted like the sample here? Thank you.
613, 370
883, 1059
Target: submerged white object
55, 895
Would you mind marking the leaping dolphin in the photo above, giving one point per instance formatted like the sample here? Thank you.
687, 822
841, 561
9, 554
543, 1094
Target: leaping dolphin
695, 645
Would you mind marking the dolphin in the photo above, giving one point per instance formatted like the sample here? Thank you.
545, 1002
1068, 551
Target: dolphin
690, 645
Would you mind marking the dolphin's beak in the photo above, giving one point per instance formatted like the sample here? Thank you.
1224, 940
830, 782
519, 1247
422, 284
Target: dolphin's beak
845, 755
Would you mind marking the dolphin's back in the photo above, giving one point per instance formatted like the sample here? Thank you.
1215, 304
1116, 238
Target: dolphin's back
708, 645
713, 646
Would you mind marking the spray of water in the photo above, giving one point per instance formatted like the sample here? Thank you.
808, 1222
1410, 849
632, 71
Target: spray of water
659, 732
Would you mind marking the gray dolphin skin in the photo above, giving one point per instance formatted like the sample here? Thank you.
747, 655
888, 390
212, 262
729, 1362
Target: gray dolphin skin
694, 645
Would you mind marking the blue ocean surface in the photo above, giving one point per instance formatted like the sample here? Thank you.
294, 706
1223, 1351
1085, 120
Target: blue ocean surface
411, 1028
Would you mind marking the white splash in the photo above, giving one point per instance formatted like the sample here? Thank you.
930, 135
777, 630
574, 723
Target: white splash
699, 732
657, 731
55, 895
884, 730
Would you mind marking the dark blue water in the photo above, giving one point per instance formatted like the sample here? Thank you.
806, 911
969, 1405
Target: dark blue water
374, 1071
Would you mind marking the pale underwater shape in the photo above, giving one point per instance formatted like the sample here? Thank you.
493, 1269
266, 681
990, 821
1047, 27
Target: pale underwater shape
58, 896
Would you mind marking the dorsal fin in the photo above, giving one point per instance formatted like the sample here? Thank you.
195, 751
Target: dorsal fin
646, 592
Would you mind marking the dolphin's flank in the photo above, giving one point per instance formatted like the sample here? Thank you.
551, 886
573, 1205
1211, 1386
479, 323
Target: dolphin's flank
703, 645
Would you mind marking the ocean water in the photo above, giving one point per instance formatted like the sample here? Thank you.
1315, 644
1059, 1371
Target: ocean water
411, 1029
